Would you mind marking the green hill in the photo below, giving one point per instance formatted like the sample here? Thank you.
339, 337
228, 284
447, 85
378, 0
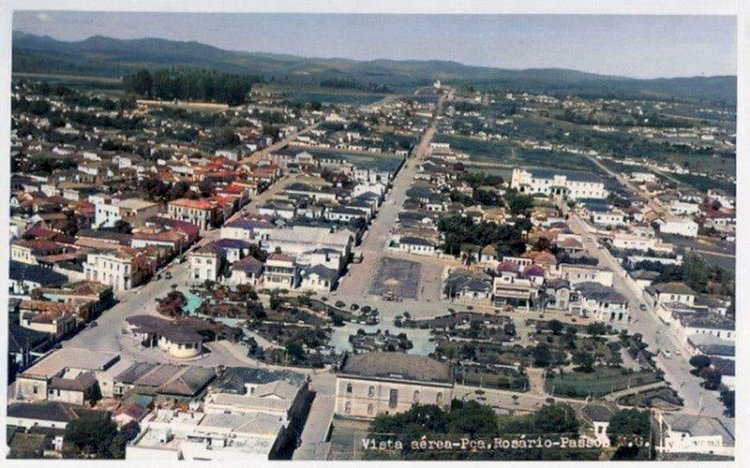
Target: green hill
108, 57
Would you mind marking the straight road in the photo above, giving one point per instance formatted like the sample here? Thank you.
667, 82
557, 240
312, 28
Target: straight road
357, 283
655, 332
653, 202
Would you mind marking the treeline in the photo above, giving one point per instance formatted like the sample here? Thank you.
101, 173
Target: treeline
192, 84
694, 271
650, 120
68, 95
351, 83
457, 231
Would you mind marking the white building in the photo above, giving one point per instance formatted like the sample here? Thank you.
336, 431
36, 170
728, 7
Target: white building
318, 278
625, 241
132, 210
169, 434
585, 273
683, 433
641, 177
416, 246
609, 218
122, 269
678, 207
676, 225
603, 303
665, 293
204, 265
281, 271
574, 185
300, 239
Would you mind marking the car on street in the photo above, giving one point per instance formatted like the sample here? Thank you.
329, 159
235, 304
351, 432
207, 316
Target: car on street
642, 306
168, 275
667, 353
93, 324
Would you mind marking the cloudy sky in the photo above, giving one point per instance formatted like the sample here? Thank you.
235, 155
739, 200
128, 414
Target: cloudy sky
636, 46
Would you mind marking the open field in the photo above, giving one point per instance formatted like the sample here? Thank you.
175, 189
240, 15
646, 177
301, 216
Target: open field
601, 381
82, 82
324, 95
399, 277
493, 151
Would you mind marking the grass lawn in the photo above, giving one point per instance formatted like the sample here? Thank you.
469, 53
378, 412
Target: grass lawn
508, 153
601, 381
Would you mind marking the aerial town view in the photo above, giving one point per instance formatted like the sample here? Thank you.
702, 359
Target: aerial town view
426, 237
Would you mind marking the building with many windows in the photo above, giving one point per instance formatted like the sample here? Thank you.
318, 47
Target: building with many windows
390, 382
555, 182
281, 271
122, 269
202, 213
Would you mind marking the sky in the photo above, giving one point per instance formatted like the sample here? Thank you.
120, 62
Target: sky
625, 45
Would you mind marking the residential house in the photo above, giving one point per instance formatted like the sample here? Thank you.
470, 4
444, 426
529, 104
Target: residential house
601, 302
281, 271
122, 269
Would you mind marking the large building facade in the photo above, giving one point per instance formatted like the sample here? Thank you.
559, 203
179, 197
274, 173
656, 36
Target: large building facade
390, 382
558, 183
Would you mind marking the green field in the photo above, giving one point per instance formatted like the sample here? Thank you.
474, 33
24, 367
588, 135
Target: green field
96, 84
704, 183
602, 381
512, 155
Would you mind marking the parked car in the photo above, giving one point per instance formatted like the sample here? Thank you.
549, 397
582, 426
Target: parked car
168, 275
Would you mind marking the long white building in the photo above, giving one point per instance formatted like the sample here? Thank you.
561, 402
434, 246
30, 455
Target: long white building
574, 185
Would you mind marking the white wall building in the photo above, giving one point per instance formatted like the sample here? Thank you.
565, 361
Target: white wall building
676, 225
683, 433
561, 183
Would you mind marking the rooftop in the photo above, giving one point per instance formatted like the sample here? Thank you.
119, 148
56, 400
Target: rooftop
671, 288
700, 426
55, 411
77, 358
234, 379
397, 366
599, 292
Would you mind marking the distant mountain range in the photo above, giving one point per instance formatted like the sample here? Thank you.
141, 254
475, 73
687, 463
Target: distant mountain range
108, 57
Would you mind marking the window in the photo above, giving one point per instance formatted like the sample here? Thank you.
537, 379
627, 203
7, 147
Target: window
393, 398
439, 398
415, 400
371, 391
348, 388
369, 409
348, 408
